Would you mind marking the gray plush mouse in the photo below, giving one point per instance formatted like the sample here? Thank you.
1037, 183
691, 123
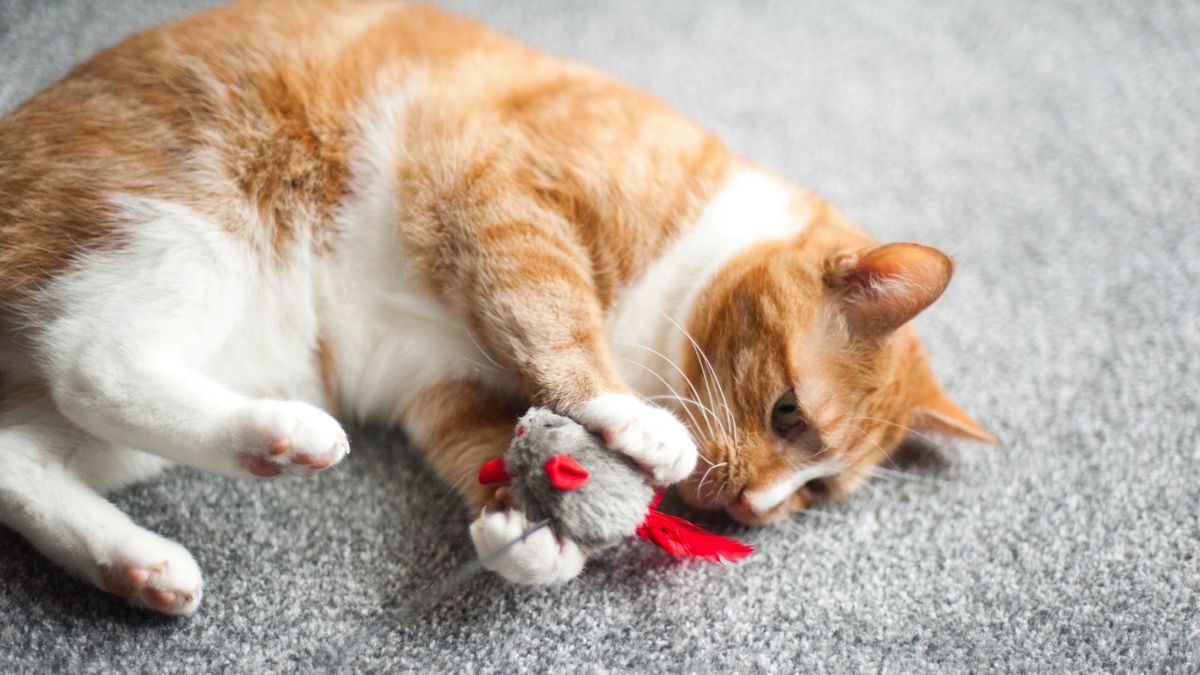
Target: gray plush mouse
559, 471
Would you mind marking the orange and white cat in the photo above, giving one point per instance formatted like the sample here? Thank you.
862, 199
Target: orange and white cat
218, 237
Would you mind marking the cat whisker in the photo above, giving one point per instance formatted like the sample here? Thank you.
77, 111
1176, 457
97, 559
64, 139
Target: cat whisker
484, 351
695, 393
900, 426
686, 409
707, 367
481, 366
454, 487
724, 484
690, 401
700, 485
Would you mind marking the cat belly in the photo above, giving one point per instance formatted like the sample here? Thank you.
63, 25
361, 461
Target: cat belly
389, 338
272, 349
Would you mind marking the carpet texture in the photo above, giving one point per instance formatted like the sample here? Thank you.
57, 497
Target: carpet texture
1052, 147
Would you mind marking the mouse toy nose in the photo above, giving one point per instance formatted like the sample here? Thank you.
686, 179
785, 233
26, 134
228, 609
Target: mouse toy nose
565, 473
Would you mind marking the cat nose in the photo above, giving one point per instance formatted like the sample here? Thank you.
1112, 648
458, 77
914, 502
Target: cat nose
742, 509
743, 501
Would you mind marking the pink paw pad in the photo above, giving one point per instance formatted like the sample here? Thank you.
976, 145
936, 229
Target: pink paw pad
290, 438
141, 586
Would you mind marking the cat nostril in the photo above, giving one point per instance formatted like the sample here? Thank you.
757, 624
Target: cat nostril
743, 500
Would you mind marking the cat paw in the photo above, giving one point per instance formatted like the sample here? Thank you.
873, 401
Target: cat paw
541, 559
650, 436
162, 577
290, 437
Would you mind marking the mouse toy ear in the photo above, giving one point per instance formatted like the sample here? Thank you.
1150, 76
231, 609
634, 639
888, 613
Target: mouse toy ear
494, 472
565, 473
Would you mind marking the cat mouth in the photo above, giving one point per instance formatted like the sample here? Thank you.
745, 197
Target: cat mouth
746, 515
774, 501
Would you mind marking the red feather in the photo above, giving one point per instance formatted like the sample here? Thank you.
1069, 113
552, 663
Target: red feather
685, 540
493, 472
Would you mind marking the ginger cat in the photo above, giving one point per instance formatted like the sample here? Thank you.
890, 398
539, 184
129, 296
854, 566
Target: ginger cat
221, 235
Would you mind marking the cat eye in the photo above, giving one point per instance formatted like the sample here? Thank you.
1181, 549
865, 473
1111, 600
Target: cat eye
786, 417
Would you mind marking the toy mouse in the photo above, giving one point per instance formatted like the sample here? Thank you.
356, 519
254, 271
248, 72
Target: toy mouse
562, 475
564, 478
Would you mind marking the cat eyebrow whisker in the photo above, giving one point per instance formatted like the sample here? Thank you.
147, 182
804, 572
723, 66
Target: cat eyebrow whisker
857, 453
883, 421
706, 368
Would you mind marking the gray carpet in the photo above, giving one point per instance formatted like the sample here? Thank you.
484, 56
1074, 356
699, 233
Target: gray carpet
1052, 147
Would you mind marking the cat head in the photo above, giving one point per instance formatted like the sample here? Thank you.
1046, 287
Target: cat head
806, 373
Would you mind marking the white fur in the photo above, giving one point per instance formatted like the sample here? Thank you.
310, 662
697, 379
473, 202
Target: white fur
390, 336
750, 208
763, 500
541, 559
48, 493
651, 436
162, 345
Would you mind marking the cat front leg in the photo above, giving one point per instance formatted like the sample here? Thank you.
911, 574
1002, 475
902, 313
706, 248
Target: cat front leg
162, 406
136, 335
534, 303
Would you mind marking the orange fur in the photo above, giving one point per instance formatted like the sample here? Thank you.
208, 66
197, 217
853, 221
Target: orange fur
532, 192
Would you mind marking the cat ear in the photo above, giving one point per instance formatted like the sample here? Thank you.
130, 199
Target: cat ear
884, 287
942, 416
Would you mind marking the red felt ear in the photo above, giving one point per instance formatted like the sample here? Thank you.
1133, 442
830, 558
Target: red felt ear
493, 472
565, 473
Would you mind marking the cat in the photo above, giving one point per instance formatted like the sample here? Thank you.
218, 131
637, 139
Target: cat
221, 236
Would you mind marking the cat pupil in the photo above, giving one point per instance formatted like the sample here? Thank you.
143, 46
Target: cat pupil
786, 416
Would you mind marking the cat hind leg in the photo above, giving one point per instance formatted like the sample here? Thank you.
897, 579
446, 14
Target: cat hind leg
136, 339
48, 475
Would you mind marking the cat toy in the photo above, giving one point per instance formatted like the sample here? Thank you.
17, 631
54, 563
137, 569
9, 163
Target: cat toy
563, 477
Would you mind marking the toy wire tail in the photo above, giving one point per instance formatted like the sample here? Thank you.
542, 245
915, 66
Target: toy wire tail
422, 603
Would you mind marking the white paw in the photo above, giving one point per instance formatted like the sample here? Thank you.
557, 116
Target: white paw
650, 436
290, 437
154, 573
542, 559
